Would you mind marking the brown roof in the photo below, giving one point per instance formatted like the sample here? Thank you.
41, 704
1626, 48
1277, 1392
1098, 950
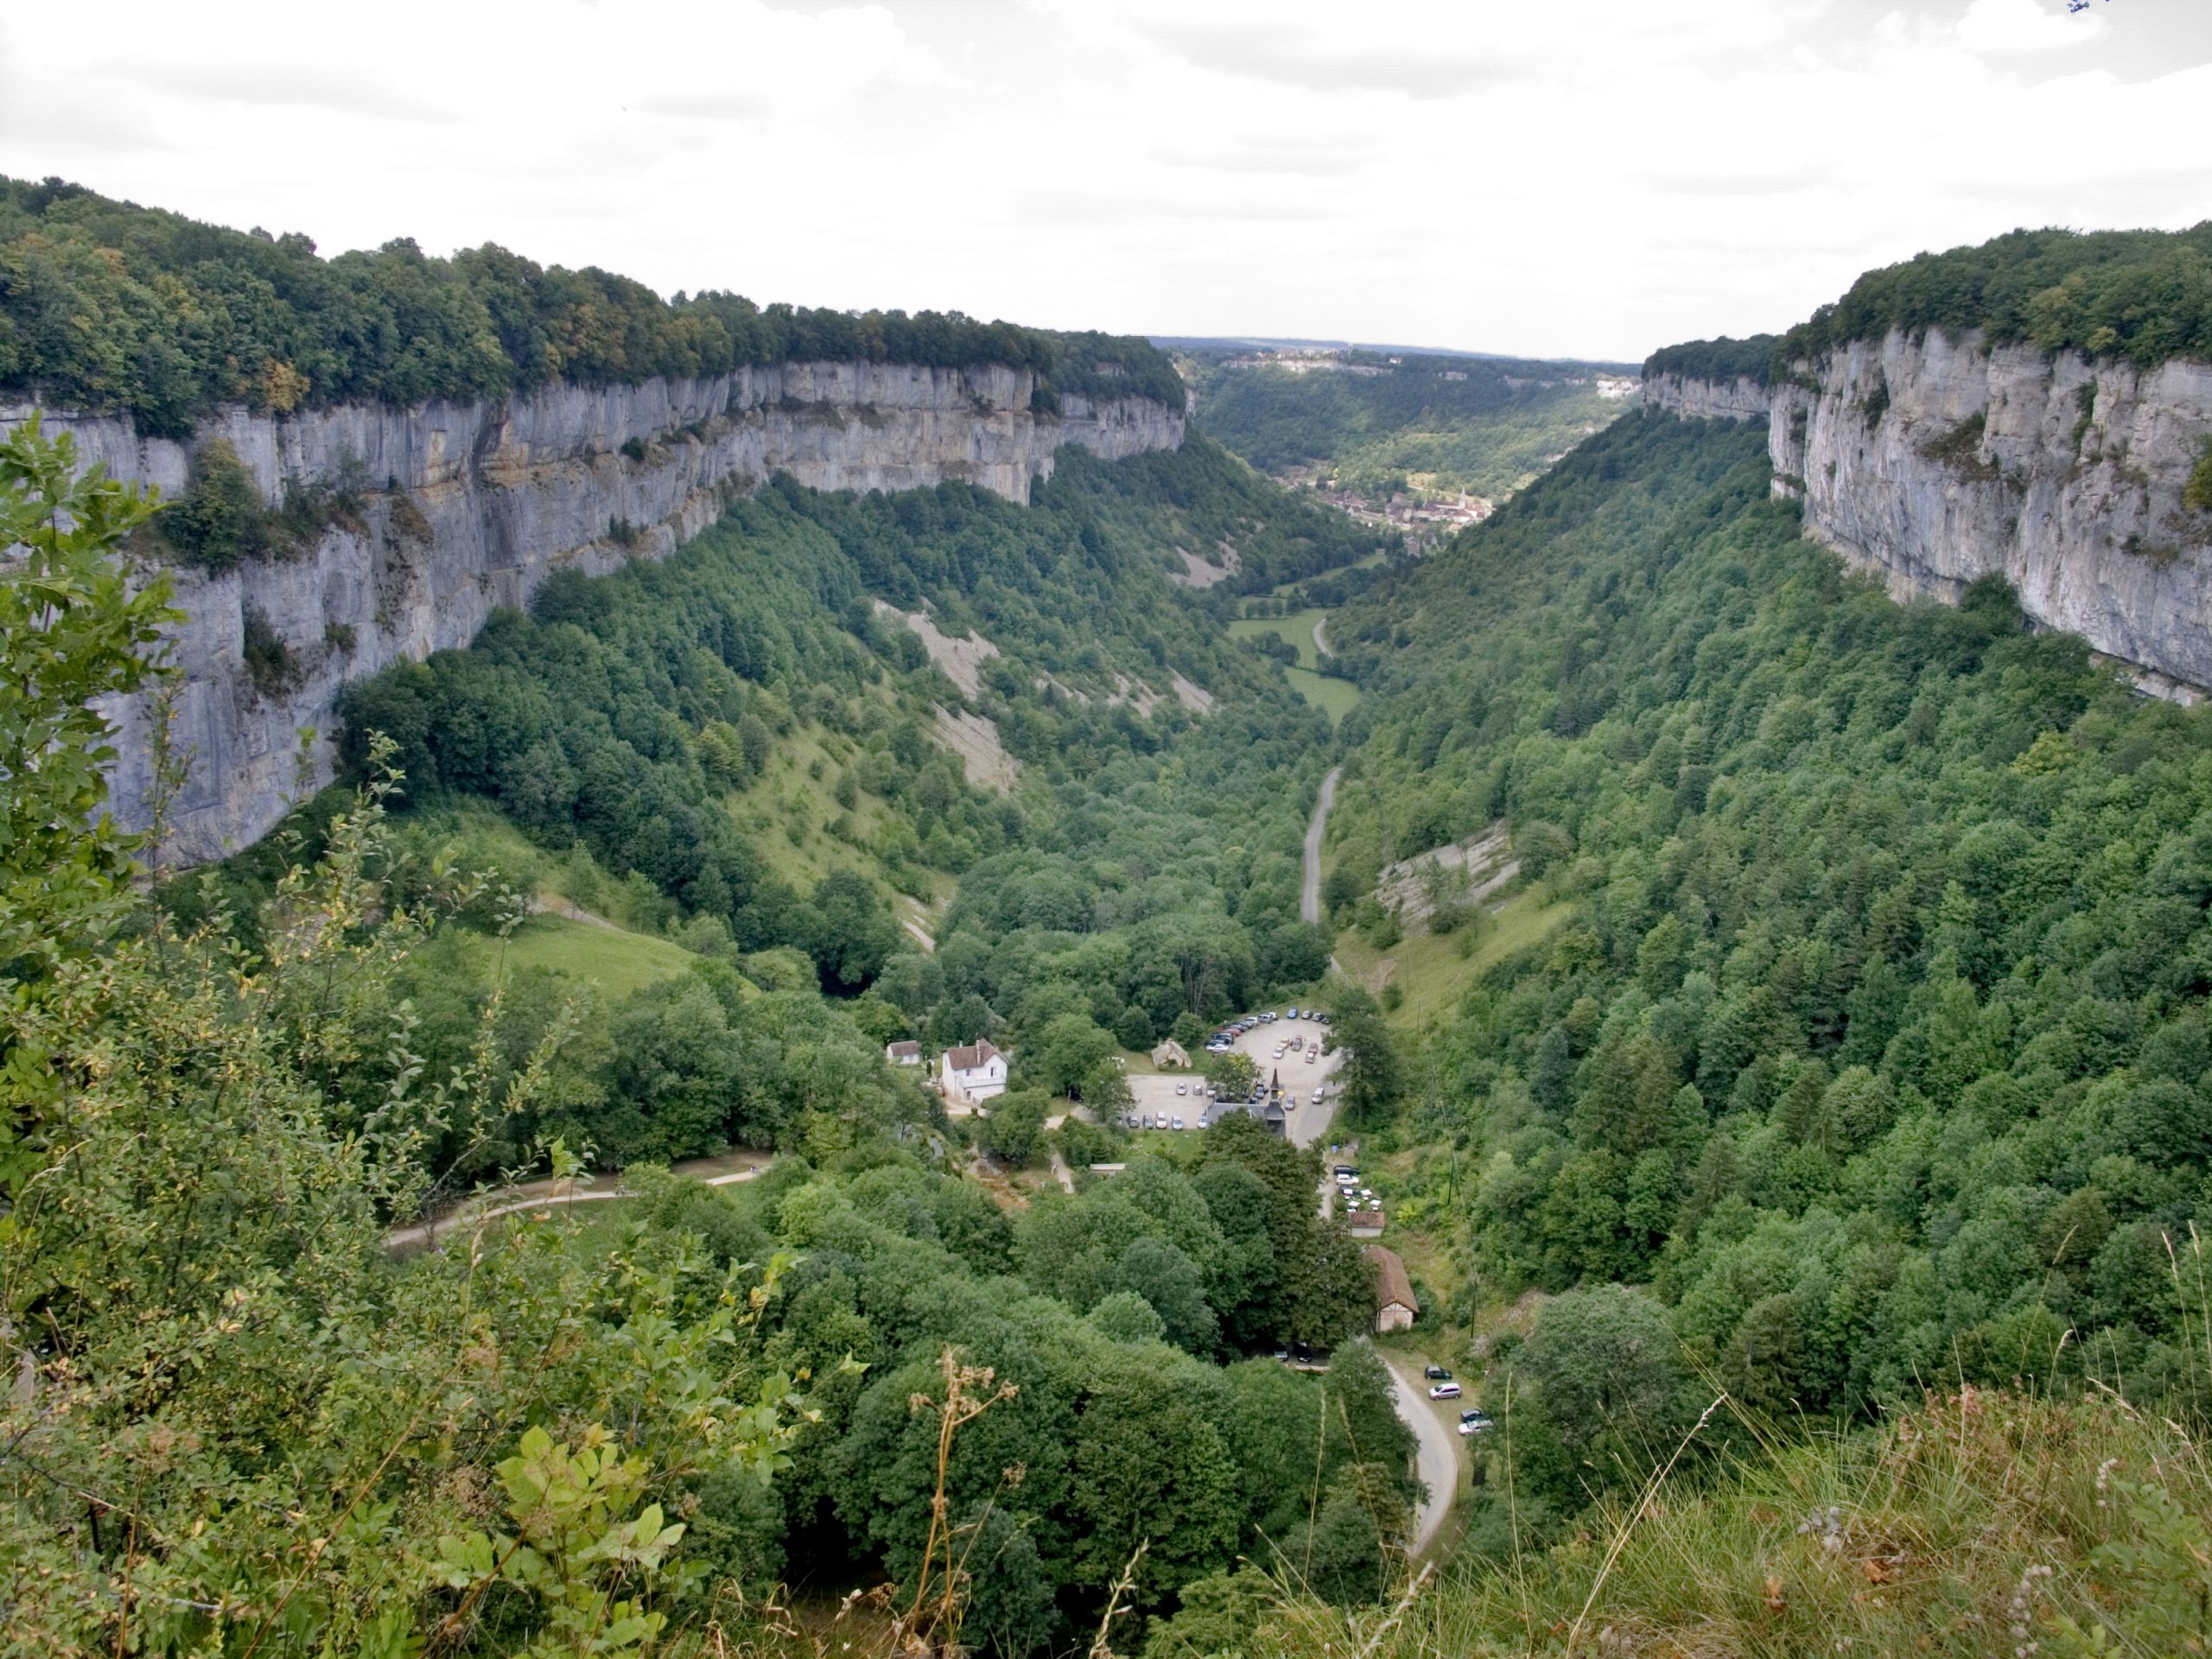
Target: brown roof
971, 1057
907, 1050
1391, 1284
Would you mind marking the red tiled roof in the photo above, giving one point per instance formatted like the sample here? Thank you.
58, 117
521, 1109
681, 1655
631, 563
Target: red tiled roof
972, 1056
1391, 1284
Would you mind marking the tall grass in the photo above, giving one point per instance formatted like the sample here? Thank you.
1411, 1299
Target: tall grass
1973, 1521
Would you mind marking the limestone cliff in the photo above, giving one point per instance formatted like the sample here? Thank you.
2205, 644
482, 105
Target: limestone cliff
1739, 399
1934, 461
467, 506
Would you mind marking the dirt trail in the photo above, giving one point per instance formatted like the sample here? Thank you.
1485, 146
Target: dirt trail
1321, 646
545, 1195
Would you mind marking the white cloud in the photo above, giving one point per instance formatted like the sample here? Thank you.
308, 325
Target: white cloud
2026, 25
1587, 176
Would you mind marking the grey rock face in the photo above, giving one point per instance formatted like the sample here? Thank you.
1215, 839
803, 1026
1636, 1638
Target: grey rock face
1934, 461
1706, 400
467, 506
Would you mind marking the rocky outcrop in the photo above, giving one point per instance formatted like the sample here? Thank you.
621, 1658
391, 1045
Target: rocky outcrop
1934, 461
465, 507
1739, 399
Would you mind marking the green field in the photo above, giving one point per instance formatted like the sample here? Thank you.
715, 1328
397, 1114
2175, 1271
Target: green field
618, 961
1297, 627
1333, 696
1428, 967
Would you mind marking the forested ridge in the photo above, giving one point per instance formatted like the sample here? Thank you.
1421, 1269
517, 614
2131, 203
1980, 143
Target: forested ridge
1805, 1170
1867, 1053
2143, 296
107, 307
240, 1420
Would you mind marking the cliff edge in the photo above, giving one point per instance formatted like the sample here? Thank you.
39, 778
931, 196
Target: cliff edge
467, 506
1933, 460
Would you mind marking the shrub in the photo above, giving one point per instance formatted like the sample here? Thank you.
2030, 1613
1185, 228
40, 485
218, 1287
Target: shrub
2196, 494
269, 660
219, 518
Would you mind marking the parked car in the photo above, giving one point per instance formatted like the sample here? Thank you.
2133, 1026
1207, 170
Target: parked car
1346, 1175
1179, 1122
1182, 1088
1267, 1019
1293, 1014
1445, 1391
1475, 1422
1437, 1374
1291, 1104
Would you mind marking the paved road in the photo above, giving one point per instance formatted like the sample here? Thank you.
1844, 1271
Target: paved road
1436, 1452
1321, 646
1309, 901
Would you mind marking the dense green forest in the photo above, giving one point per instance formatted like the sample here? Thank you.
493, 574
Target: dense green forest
1810, 1182
241, 1422
2143, 296
1872, 1051
1132, 874
107, 306
1724, 360
1486, 425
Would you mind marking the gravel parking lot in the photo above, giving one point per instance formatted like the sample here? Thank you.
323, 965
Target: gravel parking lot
1155, 1093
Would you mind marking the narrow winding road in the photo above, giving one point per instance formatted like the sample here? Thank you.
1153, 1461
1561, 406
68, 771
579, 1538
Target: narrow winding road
1309, 901
544, 1195
1436, 1452
1321, 646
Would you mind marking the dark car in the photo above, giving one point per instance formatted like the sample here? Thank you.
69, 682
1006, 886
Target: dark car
1437, 1374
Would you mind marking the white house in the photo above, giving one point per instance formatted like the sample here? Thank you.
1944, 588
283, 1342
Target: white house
906, 1053
974, 1072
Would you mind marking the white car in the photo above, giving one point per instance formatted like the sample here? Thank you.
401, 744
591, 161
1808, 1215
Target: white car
1445, 1391
1182, 1088
1179, 1122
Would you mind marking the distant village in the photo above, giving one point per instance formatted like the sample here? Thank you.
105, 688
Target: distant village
1423, 519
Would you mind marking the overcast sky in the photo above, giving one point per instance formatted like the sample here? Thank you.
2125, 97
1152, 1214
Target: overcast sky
1574, 177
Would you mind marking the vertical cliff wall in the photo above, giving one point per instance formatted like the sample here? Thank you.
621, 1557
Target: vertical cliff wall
1934, 461
1739, 399
467, 506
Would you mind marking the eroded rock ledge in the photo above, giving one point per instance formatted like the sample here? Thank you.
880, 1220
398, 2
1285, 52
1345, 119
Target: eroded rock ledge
1933, 461
467, 506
